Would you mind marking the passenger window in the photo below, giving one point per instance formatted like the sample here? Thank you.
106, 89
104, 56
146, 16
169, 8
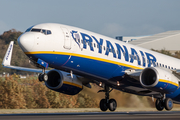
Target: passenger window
94, 45
154, 63
132, 57
135, 57
148, 61
165, 66
100, 47
84, 42
112, 50
108, 49
144, 58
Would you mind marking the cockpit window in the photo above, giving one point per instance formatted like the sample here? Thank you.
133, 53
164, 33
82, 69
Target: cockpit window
36, 30
46, 32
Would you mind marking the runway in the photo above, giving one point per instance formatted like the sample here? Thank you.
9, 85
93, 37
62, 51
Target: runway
164, 115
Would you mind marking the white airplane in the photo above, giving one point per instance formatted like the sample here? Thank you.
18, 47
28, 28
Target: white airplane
80, 57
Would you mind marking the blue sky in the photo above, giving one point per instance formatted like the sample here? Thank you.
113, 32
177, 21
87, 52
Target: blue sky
107, 17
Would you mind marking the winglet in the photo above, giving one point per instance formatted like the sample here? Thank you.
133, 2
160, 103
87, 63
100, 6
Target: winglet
7, 57
7, 61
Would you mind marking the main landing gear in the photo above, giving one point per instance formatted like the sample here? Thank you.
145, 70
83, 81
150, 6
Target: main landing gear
43, 76
162, 103
106, 103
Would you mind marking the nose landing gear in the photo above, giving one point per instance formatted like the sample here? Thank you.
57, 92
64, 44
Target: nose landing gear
106, 103
43, 76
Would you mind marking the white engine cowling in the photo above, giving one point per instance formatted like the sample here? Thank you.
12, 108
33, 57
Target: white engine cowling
63, 82
158, 79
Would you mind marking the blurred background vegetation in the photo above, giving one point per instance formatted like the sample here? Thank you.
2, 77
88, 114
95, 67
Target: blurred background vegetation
18, 57
24, 93
29, 93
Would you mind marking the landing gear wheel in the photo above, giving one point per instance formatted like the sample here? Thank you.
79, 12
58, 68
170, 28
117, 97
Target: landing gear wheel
103, 105
112, 105
159, 104
43, 77
40, 77
106, 103
168, 103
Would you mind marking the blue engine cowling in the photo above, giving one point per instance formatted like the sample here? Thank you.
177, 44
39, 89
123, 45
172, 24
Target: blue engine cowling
63, 82
159, 80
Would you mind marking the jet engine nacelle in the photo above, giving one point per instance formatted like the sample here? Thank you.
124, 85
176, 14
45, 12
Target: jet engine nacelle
63, 82
159, 80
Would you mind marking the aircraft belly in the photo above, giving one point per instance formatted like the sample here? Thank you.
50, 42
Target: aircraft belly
54, 60
99, 69
95, 67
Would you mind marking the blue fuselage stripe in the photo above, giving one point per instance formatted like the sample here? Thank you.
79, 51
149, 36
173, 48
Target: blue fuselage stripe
98, 68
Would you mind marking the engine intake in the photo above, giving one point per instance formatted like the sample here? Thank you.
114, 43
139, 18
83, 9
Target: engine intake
159, 80
62, 82
149, 77
55, 79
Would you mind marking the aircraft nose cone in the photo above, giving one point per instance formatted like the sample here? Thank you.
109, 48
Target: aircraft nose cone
26, 42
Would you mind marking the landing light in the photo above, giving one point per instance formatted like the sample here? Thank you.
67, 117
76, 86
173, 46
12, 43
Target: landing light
100, 84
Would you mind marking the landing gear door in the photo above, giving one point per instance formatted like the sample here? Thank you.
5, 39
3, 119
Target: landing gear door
67, 39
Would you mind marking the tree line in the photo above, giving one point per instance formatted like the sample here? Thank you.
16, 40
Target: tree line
29, 93
18, 57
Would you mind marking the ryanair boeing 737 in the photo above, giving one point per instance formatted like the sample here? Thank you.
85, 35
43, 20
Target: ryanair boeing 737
80, 57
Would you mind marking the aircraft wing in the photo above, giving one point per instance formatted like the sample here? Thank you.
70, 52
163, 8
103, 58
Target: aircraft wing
7, 61
133, 72
177, 71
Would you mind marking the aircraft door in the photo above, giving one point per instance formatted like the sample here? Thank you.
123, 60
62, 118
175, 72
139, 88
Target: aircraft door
67, 39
